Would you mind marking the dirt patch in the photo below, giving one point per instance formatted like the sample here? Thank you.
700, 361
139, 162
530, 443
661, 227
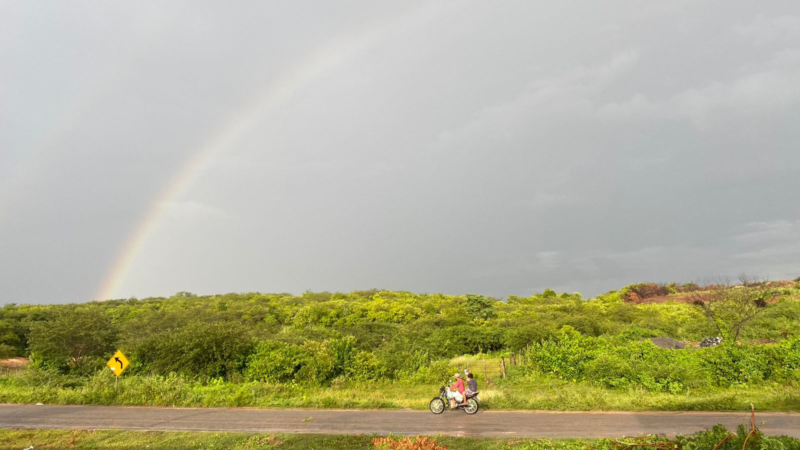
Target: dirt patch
668, 343
668, 298
685, 299
644, 293
14, 363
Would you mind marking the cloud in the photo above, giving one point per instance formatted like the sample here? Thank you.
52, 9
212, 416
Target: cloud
194, 210
762, 232
564, 95
774, 88
455, 147
658, 254
548, 259
543, 200
776, 243
763, 30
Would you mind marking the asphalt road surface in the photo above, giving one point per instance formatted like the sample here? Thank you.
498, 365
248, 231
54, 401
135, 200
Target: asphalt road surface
485, 423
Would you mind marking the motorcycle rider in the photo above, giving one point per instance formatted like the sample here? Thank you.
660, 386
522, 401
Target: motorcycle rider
472, 385
456, 392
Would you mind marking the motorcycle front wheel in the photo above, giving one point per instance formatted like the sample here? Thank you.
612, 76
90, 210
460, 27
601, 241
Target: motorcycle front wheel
437, 405
472, 406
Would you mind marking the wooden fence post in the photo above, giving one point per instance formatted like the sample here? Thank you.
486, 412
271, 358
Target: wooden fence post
503, 365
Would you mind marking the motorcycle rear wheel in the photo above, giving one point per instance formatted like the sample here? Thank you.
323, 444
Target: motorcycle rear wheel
472, 406
437, 405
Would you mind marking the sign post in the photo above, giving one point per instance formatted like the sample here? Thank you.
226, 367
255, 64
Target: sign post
118, 363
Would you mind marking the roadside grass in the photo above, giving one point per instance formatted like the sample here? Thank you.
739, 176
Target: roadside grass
181, 440
528, 393
124, 439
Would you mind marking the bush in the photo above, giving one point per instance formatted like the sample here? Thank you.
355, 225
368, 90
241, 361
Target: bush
587, 325
274, 362
734, 365
611, 370
318, 365
312, 362
77, 340
366, 367
520, 337
564, 356
465, 339
636, 292
711, 439
572, 356
204, 350
480, 307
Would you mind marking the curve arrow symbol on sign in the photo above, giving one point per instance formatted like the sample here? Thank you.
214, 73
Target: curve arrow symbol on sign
117, 360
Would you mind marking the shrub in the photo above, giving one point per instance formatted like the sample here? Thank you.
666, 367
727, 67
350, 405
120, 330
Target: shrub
480, 307
520, 337
274, 362
312, 362
729, 365
432, 372
565, 355
465, 339
636, 292
74, 340
318, 364
204, 350
366, 367
611, 370
572, 356
791, 350
636, 334
658, 369
587, 325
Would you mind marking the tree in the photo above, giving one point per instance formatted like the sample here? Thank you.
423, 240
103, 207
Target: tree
730, 308
480, 307
73, 338
204, 350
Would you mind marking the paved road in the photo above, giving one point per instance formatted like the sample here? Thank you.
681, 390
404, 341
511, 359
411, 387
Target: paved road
485, 423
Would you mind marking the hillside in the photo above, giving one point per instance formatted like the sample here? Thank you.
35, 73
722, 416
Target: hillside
189, 349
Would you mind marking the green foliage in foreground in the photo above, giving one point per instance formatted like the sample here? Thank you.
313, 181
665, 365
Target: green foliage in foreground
178, 440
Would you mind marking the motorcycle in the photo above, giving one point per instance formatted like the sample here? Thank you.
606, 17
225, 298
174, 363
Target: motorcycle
440, 403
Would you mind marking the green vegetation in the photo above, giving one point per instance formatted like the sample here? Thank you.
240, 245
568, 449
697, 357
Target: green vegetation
614, 364
532, 393
386, 349
120, 439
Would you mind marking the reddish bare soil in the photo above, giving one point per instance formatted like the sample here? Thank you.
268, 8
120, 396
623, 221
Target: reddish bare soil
690, 297
14, 363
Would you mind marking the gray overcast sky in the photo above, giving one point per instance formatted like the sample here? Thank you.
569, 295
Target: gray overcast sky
466, 146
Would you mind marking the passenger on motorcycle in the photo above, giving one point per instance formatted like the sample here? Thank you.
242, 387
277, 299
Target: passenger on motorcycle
456, 391
472, 385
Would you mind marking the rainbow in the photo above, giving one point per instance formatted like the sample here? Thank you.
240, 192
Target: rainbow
275, 95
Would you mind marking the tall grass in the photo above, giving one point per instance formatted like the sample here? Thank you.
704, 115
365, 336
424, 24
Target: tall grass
532, 392
126, 439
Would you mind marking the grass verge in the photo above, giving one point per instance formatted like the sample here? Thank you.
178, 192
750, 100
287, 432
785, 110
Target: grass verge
178, 440
527, 394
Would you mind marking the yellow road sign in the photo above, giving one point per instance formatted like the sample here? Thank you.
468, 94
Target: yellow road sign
118, 363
